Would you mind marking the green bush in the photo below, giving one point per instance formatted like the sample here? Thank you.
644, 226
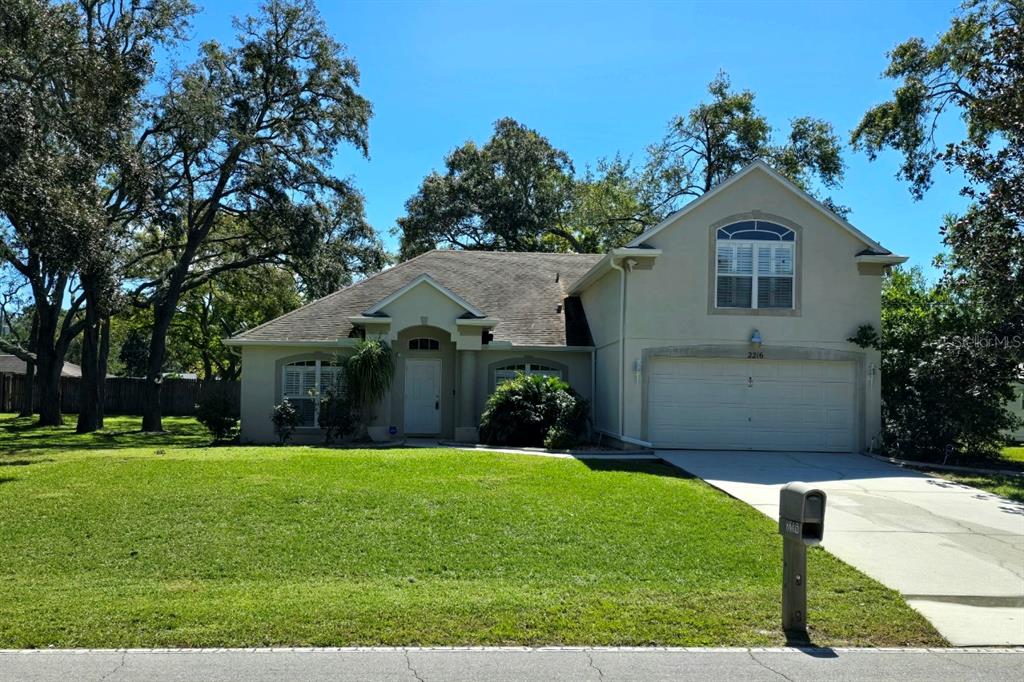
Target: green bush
534, 411
286, 419
339, 416
216, 411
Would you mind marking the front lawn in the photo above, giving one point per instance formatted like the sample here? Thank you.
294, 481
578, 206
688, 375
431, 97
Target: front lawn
123, 541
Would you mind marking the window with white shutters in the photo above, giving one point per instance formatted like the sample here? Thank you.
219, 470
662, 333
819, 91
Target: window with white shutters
305, 381
754, 265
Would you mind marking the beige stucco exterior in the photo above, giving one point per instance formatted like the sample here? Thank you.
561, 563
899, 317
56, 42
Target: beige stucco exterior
424, 311
670, 307
667, 285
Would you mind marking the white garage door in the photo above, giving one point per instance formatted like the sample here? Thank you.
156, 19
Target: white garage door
719, 404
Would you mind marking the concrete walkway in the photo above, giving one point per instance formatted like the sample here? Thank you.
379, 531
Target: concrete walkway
497, 665
955, 553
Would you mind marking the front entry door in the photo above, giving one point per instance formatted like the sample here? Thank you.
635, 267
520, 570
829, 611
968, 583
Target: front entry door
423, 396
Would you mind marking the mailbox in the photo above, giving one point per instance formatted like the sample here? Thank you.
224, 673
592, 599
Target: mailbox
802, 513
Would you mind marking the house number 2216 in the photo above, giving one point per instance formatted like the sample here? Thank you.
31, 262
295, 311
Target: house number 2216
755, 355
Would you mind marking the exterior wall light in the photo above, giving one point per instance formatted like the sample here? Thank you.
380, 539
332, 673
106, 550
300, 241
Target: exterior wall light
755, 338
637, 370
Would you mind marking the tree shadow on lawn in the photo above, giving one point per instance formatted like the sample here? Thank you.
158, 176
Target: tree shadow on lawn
22, 436
637, 466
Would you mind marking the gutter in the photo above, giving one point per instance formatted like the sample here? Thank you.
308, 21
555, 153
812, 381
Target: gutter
338, 343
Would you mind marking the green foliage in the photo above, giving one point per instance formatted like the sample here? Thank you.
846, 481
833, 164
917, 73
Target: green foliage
285, 419
944, 377
716, 139
217, 412
534, 411
338, 415
244, 142
508, 195
970, 79
226, 305
369, 371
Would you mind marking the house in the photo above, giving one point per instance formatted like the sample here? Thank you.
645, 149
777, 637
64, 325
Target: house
15, 365
724, 327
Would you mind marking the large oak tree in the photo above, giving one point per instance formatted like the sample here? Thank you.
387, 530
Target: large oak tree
243, 142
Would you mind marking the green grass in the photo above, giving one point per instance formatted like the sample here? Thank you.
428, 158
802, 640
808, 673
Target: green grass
125, 540
1010, 487
1014, 453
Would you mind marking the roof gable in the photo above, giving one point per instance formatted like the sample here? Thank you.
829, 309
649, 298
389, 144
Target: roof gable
762, 167
429, 281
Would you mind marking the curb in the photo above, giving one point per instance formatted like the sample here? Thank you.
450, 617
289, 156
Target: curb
497, 649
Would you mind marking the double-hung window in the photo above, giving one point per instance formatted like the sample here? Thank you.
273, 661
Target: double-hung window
755, 265
305, 381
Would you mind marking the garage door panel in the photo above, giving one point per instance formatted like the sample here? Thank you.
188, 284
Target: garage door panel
751, 404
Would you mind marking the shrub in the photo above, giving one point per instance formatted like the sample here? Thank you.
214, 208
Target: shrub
946, 377
534, 411
216, 411
338, 415
286, 419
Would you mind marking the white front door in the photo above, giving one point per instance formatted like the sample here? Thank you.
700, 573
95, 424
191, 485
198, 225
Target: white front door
423, 396
720, 404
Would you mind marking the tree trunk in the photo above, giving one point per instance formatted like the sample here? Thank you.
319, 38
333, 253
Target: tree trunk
49, 364
152, 420
88, 386
27, 389
101, 370
49, 369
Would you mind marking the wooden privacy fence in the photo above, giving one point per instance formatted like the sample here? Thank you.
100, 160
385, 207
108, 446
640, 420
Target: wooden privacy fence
124, 395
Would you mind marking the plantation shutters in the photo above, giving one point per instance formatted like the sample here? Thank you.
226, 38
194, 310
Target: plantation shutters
303, 382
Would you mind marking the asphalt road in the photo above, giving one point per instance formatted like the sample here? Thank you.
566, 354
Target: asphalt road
453, 665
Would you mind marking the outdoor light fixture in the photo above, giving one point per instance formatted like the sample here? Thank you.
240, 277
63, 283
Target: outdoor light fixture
637, 369
755, 338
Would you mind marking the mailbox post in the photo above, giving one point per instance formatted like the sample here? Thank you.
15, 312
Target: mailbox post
801, 524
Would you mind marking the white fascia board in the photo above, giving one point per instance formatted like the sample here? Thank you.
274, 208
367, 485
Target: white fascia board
758, 165
605, 264
892, 259
424, 278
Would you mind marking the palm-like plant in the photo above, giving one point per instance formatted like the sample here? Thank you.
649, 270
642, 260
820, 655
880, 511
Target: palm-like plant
370, 370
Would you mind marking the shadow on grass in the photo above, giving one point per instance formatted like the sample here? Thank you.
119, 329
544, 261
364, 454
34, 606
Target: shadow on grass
637, 466
23, 462
22, 436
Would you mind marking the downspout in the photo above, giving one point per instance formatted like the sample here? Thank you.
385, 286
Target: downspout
622, 341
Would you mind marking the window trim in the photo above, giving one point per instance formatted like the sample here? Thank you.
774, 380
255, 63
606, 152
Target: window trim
318, 364
712, 273
433, 345
552, 366
755, 276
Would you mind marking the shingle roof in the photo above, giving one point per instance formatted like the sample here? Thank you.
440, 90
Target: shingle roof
527, 292
15, 365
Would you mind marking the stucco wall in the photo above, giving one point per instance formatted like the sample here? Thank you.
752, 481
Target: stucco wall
575, 368
261, 388
669, 305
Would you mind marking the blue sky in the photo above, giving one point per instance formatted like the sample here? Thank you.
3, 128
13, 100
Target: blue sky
601, 78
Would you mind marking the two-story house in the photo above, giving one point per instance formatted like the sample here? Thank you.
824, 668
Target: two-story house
725, 327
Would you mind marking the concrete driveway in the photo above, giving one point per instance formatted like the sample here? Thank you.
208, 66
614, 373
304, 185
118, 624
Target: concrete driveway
956, 553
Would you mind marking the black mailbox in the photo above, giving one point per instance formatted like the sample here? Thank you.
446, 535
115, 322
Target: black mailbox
802, 513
